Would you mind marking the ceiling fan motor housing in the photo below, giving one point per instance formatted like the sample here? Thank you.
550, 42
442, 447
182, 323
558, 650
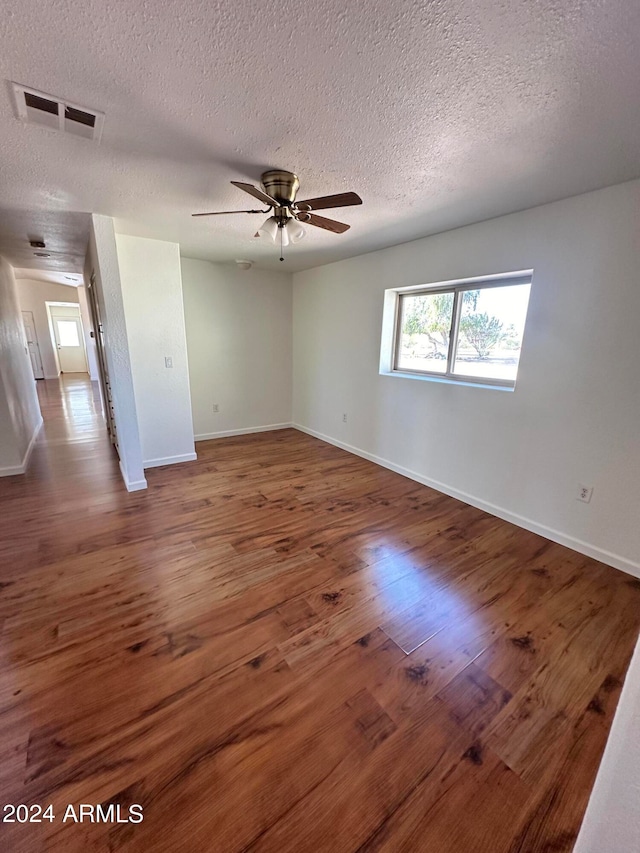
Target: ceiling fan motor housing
281, 185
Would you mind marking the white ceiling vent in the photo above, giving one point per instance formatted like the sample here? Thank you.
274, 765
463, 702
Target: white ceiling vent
36, 107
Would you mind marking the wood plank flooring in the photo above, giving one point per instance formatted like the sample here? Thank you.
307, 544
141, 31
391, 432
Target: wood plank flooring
284, 648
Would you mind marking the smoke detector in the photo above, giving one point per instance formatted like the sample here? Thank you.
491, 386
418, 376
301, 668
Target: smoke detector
34, 107
244, 265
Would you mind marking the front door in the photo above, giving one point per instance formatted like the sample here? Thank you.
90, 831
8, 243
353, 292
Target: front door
32, 344
68, 335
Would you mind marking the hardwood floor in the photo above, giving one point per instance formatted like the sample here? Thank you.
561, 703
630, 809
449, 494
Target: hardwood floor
282, 647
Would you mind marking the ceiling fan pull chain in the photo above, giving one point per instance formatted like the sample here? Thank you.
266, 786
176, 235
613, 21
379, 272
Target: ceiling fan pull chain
281, 253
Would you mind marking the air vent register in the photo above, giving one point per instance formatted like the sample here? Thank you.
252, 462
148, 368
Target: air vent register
35, 107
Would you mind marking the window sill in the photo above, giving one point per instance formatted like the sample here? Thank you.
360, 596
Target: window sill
447, 380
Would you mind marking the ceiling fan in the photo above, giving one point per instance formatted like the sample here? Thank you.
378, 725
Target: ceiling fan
279, 196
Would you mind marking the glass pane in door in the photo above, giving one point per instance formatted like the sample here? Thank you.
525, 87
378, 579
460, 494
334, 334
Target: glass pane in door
68, 333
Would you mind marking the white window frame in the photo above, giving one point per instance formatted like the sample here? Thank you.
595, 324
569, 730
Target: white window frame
391, 332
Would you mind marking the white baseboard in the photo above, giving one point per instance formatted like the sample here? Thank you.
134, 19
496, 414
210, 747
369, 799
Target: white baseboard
169, 460
11, 470
245, 431
132, 485
585, 548
51, 375
20, 469
29, 450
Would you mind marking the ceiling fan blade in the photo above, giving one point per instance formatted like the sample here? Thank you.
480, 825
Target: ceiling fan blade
325, 201
256, 193
225, 212
327, 224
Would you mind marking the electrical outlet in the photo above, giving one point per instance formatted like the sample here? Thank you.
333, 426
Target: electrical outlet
216, 407
168, 361
584, 493
344, 418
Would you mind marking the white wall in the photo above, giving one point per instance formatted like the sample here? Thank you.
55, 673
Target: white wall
32, 296
152, 294
20, 418
612, 821
574, 415
102, 258
239, 340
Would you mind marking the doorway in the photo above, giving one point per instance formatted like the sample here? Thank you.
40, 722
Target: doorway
68, 339
32, 344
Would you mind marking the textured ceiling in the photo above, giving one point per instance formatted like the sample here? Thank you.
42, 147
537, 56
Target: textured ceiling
65, 236
68, 279
437, 113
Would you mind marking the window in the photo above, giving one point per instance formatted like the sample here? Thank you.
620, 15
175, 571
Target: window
68, 333
467, 331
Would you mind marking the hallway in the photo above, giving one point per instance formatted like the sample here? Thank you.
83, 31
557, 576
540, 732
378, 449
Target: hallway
72, 476
72, 410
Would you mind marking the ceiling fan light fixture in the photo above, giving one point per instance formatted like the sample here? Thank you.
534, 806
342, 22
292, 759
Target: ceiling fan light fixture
269, 228
295, 230
284, 235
